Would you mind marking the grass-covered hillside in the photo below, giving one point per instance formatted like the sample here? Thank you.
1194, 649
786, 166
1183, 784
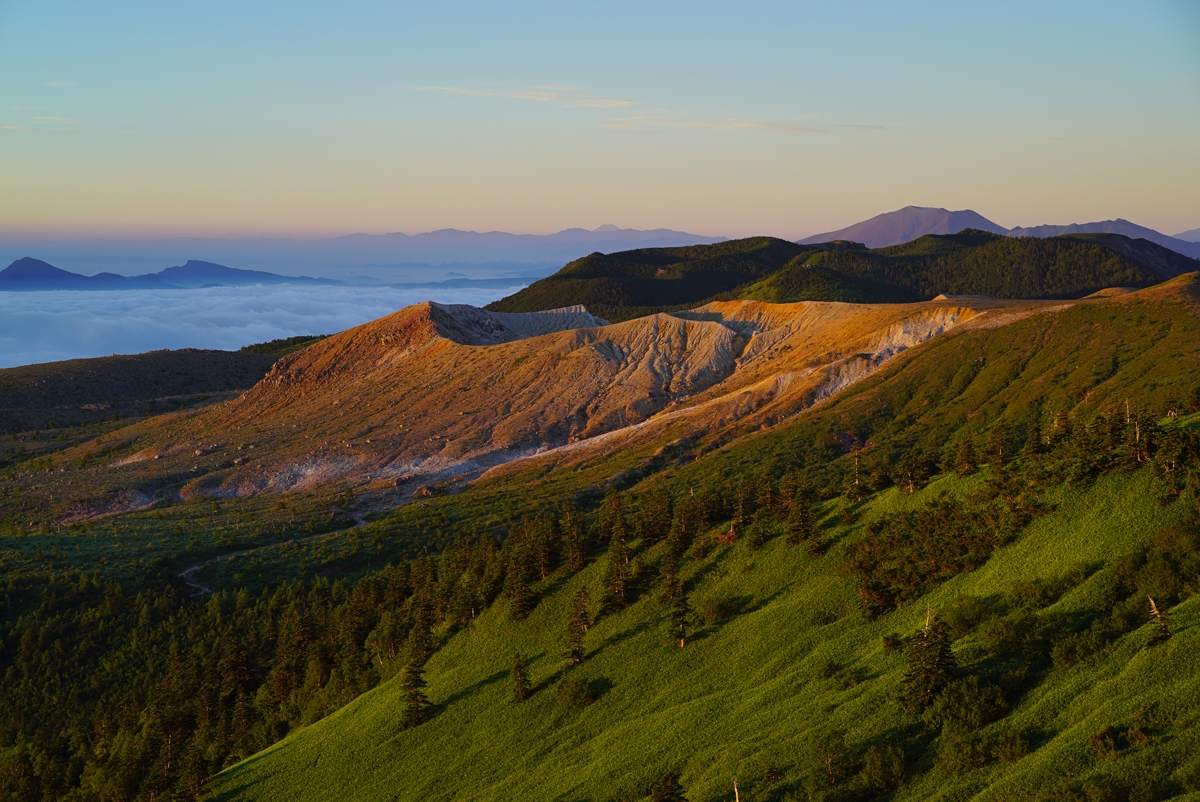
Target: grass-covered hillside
632, 283
1055, 687
1059, 682
629, 284
1031, 484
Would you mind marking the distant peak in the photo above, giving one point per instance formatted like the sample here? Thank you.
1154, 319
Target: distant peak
606, 227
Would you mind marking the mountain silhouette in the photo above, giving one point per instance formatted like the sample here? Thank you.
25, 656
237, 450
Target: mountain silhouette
906, 225
29, 274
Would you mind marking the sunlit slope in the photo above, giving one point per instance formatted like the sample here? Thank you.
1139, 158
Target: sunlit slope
751, 697
434, 392
747, 698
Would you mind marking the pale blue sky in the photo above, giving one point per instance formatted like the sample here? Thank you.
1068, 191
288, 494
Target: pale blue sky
149, 119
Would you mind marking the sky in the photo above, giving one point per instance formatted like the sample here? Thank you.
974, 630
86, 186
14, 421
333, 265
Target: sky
151, 119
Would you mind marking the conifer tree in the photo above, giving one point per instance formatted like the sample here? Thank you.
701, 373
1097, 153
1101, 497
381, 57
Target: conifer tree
520, 678
964, 457
996, 453
670, 576
801, 526
420, 640
654, 522
611, 514
668, 789
520, 595
683, 524
577, 626
417, 708
574, 537
931, 666
616, 579
680, 611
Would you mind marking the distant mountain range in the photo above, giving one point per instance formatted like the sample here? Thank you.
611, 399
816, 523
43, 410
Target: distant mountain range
911, 222
1189, 236
33, 274
30, 274
360, 258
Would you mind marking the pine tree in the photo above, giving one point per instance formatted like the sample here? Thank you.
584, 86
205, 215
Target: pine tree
521, 569
611, 515
680, 611
577, 626
520, 595
996, 452
931, 666
520, 677
683, 525
420, 641
668, 789
800, 524
417, 708
670, 576
964, 457
616, 579
912, 471
574, 537
655, 519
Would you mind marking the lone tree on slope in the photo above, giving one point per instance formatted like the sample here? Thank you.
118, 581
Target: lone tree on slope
417, 708
577, 625
520, 677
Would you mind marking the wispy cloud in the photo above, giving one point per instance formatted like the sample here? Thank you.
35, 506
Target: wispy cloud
14, 127
58, 84
48, 119
643, 117
567, 96
648, 122
651, 122
26, 108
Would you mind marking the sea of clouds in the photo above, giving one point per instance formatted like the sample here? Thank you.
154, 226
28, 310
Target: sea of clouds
49, 326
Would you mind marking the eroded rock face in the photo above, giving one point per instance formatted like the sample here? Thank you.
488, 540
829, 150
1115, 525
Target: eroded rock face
434, 390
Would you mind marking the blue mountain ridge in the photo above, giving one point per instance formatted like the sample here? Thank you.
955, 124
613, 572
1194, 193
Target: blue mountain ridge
29, 274
912, 222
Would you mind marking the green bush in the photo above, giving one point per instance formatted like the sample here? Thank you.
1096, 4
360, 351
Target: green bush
576, 691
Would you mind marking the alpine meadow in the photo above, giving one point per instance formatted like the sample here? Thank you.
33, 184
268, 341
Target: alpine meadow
620, 402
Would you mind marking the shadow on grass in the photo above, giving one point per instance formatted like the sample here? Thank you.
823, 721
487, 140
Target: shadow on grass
491, 679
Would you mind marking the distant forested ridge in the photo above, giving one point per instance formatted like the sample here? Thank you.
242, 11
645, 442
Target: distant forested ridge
632, 283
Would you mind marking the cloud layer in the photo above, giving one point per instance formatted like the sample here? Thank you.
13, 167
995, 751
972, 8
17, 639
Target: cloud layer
49, 326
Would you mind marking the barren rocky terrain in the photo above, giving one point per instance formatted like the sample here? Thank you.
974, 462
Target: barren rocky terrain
436, 393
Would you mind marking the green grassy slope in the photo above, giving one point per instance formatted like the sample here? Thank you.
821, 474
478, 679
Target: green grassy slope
747, 698
629, 284
1037, 375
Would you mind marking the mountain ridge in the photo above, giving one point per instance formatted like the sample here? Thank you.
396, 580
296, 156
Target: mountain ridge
911, 222
29, 274
492, 254
629, 284
905, 225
